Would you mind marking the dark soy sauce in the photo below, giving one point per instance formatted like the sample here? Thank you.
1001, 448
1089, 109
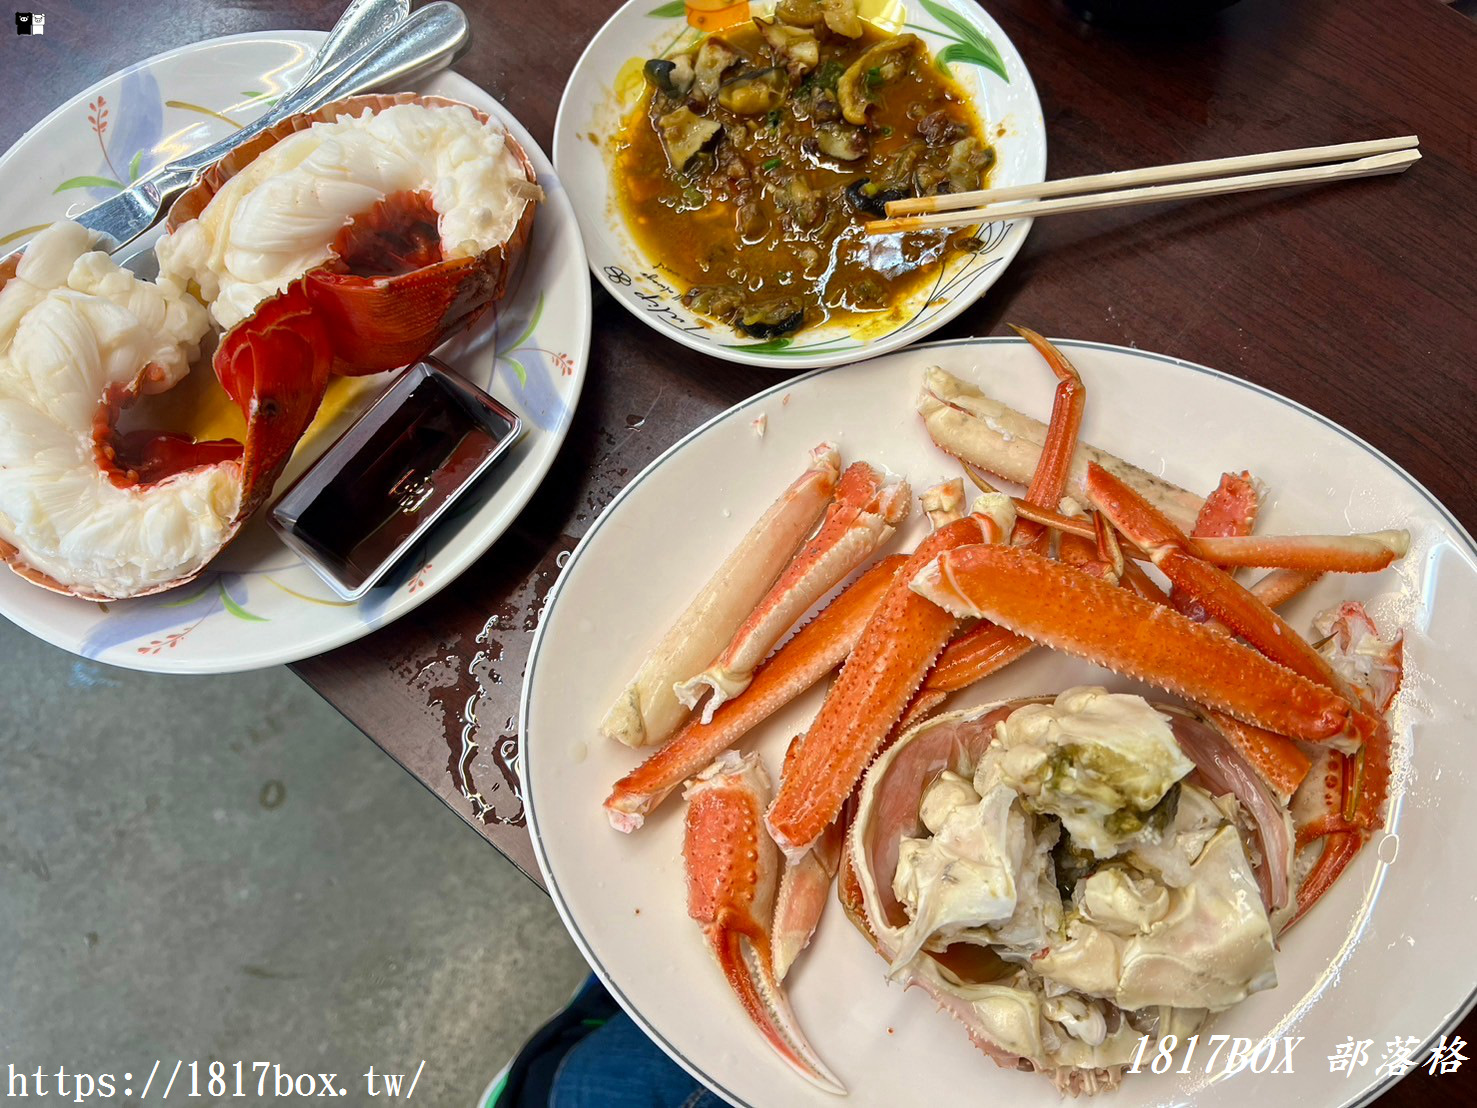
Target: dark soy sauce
370, 495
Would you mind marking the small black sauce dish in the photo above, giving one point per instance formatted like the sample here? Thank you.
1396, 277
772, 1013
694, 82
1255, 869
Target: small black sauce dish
377, 490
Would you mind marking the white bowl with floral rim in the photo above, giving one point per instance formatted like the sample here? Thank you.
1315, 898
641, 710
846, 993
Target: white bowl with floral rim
606, 84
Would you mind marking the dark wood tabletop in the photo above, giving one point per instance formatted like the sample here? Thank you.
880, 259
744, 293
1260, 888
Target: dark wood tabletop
1359, 301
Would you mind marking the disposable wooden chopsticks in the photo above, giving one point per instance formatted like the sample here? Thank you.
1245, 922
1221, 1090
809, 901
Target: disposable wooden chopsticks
1185, 181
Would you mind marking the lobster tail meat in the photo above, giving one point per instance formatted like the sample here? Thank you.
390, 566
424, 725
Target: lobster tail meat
84, 510
352, 239
732, 872
406, 214
647, 711
865, 512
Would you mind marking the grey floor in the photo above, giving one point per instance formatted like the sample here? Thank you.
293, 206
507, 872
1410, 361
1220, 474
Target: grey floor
223, 868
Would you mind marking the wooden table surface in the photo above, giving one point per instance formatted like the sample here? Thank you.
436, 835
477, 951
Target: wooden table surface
1357, 300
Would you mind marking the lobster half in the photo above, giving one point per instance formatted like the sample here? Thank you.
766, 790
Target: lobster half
93, 510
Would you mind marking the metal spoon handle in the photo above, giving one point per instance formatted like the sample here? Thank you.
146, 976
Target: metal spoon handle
424, 43
363, 22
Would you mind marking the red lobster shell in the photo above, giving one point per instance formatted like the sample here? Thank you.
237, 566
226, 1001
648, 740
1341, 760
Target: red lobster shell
386, 297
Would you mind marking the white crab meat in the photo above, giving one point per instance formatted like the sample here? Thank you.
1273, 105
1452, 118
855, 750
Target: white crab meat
1064, 836
1206, 945
1088, 757
277, 218
74, 326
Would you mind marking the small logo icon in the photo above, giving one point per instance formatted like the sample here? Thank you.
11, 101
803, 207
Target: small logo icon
30, 23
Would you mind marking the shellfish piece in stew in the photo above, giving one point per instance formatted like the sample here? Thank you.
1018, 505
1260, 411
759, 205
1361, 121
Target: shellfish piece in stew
752, 162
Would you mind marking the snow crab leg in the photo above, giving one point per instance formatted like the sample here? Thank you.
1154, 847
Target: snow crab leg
1364, 787
971, 426
1281, 585
1049, 480
1231, 509
1324, 553
1230, 512
986, 648
1220, 595
982, 650
1337, 797
814, 651
862, 517
647, 711
802, 897
900, 642
732, 871
1082, 615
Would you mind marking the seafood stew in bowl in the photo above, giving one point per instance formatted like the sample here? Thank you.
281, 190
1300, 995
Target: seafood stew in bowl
723, 176
776, 139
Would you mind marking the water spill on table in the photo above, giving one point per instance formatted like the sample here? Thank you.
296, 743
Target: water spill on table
471, 685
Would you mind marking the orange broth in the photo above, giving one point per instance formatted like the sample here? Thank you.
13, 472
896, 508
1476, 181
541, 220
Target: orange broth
722, 222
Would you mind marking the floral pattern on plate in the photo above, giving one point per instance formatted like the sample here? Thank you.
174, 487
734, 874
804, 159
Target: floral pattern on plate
258, 604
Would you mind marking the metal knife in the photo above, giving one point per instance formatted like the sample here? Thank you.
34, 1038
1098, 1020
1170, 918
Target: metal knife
422, 44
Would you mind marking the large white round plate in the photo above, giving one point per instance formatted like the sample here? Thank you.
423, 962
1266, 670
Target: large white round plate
1386, 955
606, 84
258, 604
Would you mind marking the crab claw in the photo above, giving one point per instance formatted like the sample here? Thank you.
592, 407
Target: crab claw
802, 898
732, 872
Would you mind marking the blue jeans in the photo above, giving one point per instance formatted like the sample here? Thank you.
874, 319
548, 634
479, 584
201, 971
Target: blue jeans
617, 1066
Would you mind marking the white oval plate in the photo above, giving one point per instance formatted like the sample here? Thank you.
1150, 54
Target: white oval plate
623, 897
592, 110
258, 604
